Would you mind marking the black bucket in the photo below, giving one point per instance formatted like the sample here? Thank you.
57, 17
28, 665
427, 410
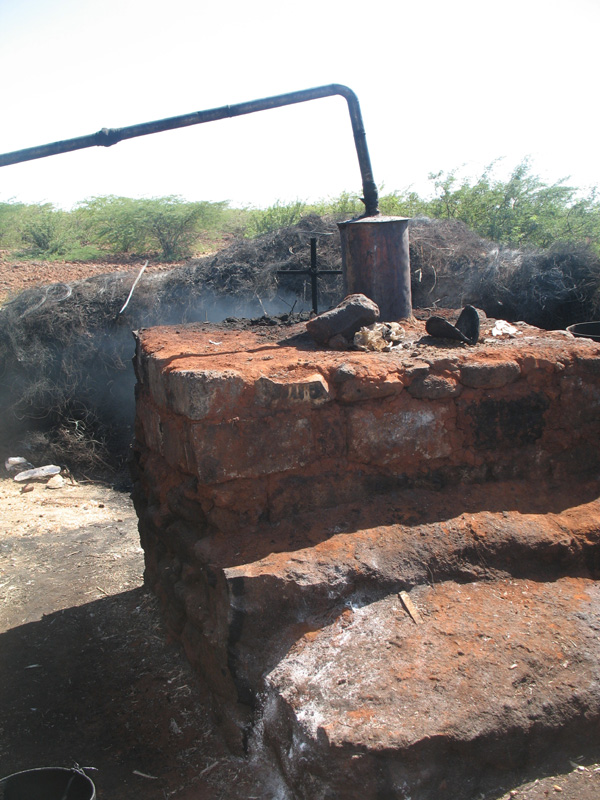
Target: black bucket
588, 330
48, 783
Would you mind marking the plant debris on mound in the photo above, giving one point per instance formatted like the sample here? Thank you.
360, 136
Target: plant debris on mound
66, 348
451, 266
250, 268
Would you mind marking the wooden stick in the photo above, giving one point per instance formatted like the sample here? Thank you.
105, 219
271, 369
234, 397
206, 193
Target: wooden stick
411, 608
135, 283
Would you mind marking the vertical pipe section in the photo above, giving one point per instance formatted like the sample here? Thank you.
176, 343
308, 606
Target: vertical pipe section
313, 274
376, 261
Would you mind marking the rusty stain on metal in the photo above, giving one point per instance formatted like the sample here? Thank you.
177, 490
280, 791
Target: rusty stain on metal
376, 263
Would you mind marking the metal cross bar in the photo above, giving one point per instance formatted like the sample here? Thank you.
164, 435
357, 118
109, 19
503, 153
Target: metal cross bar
109, 136
313, 271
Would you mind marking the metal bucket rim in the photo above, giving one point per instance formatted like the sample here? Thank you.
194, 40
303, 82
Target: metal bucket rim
578, 329
69, 770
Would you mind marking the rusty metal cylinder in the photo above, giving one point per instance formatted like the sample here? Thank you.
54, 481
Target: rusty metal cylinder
376, 262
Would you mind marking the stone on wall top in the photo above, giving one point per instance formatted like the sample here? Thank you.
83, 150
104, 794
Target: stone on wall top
203, 371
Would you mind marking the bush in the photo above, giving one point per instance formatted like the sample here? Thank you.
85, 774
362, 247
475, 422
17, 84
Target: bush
175, 225
346, 206
402, 204
521, 211
9, 235
280, 215
114, 223
169, 224
44, 230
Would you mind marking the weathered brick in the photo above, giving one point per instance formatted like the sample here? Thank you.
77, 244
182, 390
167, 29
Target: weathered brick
150, 420
156, 382
177, 448
409, 434
366, 388
345, 372
242, 448
489, 375
201, 393
532, 364
445, 365
375, 376
434, 387
417, 369
580, 400
504, 424
590, 364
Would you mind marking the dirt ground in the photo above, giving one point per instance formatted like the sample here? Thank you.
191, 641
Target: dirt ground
17, 275
87, 675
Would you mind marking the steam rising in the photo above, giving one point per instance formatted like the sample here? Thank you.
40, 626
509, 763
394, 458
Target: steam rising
66, 350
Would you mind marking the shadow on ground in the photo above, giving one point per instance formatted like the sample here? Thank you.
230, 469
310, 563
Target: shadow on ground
97, 685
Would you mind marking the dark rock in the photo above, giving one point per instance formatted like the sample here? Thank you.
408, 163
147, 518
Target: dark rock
440, 328
468, 324
353, 313
466, 329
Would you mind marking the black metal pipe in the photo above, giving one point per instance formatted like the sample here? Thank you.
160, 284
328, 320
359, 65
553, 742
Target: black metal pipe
109, 136
313, 274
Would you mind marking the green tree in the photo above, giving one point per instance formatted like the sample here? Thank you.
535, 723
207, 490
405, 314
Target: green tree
402, 204
169, 224
345, 206
9, 232
44, 230
175, 225
519, 211
113, 222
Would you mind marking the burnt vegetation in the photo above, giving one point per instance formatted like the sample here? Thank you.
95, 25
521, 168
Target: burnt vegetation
66, 348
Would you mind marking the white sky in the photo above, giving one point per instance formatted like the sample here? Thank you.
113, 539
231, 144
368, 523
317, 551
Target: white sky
441, 84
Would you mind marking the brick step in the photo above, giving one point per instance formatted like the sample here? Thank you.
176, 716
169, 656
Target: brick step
242, 602
498, 675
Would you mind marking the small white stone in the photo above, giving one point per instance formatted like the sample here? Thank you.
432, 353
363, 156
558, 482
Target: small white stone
55, 482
